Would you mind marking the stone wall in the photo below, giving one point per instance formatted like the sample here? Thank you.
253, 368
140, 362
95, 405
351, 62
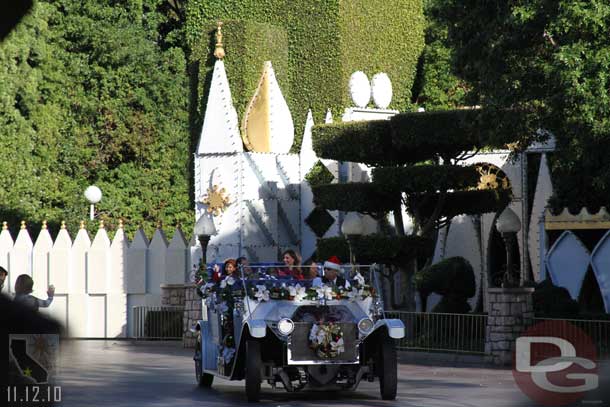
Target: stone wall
172, 295
511, 311
192, 313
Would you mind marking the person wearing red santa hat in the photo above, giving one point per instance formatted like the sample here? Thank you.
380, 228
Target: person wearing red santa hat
331, 276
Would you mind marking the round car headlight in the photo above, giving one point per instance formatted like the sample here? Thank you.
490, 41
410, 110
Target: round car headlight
365, 325
285, 326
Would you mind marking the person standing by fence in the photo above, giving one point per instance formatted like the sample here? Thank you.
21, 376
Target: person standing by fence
3, 274
23, 293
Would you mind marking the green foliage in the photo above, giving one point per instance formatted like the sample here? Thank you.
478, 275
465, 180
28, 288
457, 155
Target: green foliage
455, 203
376, 248
327, 41
436, 86
409, 138
426, 178
549, 59
552, 301
247, 45
87, 96
362, 197
319, 175
453, 278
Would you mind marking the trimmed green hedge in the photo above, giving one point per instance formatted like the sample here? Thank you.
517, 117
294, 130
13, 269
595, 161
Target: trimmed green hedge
362, 197
426, 178
459, 202
453, 278
327, 41
409, 138
397, 250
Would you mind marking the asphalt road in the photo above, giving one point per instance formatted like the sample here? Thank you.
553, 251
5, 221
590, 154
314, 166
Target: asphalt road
120, 373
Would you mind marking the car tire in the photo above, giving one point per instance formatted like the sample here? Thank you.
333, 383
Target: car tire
388, 380
253, 371
203, 379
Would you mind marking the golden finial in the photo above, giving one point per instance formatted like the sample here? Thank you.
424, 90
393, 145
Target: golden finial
82, 224
22, 224
120, 223
44, 225
101, 224
5, 225
219, 51
63, 224
159, 224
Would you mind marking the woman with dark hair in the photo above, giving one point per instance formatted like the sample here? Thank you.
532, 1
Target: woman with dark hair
24, 285
292, 263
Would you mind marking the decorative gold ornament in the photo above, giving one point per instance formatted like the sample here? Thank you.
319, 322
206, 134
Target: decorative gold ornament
63, 224
219, 51
23, 225
44, 225
120, 223
216, 200
492, 177
102, 226
82, 224
5, 225
256, 126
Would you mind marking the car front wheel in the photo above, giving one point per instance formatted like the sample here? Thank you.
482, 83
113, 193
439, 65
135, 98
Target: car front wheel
253, 370
388, 380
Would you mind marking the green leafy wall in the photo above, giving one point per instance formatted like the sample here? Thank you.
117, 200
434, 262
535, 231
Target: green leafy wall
327, 41
90, 93
247, 46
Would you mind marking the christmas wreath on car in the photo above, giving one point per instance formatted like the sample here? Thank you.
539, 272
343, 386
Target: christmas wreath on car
326, 340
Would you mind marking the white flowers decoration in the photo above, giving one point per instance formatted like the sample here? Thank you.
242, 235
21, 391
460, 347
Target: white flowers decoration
262, 293
297, 292
324, 292
227, 281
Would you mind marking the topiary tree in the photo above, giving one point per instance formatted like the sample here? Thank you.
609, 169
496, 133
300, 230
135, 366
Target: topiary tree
417, 159
453, 278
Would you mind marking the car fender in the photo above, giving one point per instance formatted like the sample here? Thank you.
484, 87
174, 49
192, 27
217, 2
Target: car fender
257, 328
395, 327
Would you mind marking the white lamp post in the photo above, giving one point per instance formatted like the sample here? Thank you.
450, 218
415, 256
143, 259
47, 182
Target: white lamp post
508, 224
93, 195
204, 229
352, 226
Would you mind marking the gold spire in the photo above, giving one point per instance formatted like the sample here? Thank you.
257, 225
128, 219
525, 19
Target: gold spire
120, 223
44, 224
5, 225
219, 51
63, 224
82, 224
159, 224
22, 224
101, 224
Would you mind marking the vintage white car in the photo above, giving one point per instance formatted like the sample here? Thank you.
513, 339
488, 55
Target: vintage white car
297, 333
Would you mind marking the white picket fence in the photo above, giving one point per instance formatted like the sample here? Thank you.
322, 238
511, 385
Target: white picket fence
97, 283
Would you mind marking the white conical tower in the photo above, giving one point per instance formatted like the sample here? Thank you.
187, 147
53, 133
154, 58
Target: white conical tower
220, 131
